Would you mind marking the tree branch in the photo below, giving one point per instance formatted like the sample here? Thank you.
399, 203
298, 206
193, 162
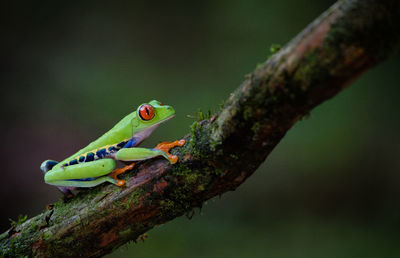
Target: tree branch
221, 152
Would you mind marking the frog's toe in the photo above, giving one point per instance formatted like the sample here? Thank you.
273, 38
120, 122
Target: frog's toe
116, 182
173, 158
180, 143
120, 182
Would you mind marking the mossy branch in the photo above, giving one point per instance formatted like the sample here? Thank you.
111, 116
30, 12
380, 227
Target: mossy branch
221, 152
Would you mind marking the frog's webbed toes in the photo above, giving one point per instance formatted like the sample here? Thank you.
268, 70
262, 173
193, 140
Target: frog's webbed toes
167, 146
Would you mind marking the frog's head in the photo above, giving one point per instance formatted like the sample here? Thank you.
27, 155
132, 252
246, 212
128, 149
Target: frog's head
150, 115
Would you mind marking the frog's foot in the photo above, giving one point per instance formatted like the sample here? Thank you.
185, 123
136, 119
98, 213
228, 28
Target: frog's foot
166, 146
119, 171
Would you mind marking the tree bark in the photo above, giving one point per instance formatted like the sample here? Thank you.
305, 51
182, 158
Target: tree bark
223, 150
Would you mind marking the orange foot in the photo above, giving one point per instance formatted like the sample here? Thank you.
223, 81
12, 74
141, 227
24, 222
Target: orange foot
166, 146
119, 171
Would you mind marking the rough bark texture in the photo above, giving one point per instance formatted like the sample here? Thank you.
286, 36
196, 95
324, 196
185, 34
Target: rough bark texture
221, 152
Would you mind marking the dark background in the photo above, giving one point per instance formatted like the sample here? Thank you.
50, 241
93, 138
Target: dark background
72, 70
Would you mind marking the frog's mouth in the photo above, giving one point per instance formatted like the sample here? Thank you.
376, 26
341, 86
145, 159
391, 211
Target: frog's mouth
141, 135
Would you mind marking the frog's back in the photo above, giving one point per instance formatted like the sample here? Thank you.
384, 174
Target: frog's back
122, 131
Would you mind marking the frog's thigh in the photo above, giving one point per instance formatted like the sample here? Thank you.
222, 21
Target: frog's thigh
132, 154
95, 168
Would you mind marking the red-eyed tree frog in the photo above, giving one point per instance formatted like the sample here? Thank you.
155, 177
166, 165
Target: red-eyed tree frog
96, 163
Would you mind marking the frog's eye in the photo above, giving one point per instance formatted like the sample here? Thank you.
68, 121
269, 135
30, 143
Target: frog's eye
146, 112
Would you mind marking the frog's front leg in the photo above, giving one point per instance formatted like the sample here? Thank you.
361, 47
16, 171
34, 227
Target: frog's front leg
136, 154
162, 149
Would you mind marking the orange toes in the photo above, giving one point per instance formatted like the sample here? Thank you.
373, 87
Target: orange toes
114, 174
180, 143
121, 182
173, 158
166, 146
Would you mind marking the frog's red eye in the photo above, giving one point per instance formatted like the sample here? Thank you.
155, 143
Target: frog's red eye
146, 112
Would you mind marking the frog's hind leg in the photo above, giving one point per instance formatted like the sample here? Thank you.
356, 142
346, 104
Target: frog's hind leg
86, 182
46, 166
86, 174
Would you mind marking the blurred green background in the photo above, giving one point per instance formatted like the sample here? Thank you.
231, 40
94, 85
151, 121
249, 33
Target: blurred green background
73, 69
